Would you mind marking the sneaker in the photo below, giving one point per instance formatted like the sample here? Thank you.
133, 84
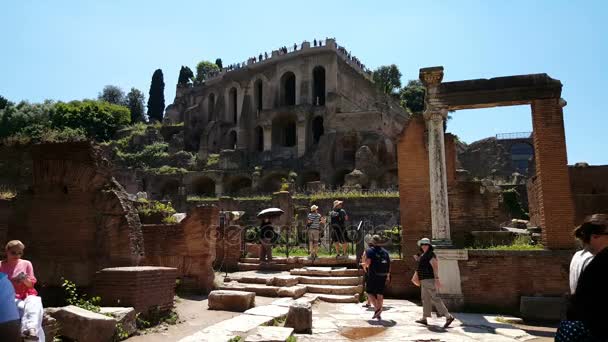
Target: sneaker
30, 335
366, 305
448, 321
422, 321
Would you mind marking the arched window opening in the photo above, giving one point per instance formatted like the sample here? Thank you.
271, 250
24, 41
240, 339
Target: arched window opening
288, 89
272, 182
211, 107
232, 104
230, 142
238, 185
284, 131
317, 129
203, 186
318, 75
259, 96
259, 139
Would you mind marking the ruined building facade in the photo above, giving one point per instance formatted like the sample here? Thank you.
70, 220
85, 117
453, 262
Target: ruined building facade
313, 110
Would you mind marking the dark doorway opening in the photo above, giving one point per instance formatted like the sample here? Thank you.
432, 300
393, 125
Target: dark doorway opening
232, 107
258, 89
318, 75
259, 139
317, 129
211, 107
288, 86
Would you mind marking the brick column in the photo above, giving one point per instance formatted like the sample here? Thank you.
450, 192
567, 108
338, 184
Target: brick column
552, 183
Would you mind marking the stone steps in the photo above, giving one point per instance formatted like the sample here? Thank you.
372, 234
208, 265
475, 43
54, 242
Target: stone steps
334, 289
295, 291
327, 272
333, 298
304, 261
242, 266
330, 280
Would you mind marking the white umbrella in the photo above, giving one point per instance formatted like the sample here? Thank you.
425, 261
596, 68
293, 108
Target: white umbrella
270, 212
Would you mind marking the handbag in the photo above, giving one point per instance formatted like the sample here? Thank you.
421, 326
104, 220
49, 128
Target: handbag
573, 331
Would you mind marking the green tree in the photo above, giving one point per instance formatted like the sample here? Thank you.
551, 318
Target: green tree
156, 97
3, 102
98, 119
388, 79
218, 62
25, 118
204, 69
412, 96
185, 75
112, 94
136, 104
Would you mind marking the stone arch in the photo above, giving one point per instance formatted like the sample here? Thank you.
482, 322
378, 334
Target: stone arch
237, 185
211, 107
288, 89
272, 182
230, 140
317, 129
309, 176
169, 189
232, 105
259, 139
522, 154
318, 86
203, 186
337, 179
284, 131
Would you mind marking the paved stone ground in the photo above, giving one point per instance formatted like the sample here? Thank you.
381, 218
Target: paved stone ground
352, 322
347, 322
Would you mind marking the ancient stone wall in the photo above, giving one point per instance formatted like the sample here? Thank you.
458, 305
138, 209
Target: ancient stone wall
189, 246
495, 280
145, 288
228, 248
75, 219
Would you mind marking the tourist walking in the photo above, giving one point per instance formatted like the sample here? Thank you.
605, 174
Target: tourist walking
378, 264
21, 273
427, 278
586, 317
366, 273
267, 235
338, 218
313, 226
580, 260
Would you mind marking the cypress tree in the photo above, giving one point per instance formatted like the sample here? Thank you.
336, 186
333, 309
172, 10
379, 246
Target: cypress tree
156, 98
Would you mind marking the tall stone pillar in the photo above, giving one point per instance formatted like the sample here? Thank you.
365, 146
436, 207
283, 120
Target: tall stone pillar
434, 115
301, 138
267, 130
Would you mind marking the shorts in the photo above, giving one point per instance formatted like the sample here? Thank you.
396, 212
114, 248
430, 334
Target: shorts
338, 234
375, 285
313, 235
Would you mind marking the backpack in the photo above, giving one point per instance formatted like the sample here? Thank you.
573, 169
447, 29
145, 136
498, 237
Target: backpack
381, 262
336, 217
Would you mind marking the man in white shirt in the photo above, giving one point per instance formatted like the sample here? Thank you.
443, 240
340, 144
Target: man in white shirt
579, 261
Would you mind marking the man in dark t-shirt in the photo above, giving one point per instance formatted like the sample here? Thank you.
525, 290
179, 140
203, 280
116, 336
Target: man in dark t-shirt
378, 264
338, 218
590, 301
266, 238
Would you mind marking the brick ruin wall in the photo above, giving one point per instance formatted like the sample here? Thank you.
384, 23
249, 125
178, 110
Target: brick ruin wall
189, 246
74, 219
589, 187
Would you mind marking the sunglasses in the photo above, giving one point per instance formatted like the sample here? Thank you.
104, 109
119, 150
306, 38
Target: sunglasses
16, 253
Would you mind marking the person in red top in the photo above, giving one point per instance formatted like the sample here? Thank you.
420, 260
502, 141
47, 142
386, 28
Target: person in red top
21, 274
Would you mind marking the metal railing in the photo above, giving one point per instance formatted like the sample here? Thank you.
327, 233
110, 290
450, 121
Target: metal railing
514, 135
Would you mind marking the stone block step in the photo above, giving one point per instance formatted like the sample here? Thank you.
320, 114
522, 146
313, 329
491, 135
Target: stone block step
326, 272
335, 289
249, 279
305, 261
330, 280
258, 289
263, 267
331, 298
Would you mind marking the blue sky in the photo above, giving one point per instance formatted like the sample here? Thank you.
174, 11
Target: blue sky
67, 50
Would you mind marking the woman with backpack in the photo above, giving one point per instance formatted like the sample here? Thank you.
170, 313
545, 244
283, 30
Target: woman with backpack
427, 277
